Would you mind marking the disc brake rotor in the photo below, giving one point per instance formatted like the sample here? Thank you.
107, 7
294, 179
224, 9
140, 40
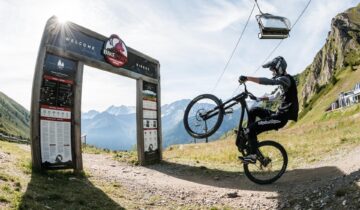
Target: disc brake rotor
199, 114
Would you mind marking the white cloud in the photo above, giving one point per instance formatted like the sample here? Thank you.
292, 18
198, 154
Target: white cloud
222, 14
191, 39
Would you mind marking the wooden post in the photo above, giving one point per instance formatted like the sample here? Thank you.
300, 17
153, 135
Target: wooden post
77, 118
139, 121
35, 105
159, 112
84, 140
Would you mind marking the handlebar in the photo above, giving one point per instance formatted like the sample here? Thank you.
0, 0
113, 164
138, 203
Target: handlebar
251, 96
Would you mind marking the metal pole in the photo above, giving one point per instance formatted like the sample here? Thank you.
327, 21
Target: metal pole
206, 130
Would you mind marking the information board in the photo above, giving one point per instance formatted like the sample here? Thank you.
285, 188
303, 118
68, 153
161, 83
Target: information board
55, 126
56, 101
150, 121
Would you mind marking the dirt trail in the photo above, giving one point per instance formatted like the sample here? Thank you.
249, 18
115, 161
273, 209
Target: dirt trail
331, 183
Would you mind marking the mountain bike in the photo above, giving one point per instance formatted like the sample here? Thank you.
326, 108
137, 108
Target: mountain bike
203, 117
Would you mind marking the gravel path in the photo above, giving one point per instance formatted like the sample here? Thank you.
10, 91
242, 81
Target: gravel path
333, 183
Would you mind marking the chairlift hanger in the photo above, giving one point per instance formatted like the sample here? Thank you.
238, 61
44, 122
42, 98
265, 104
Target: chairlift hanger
271, 26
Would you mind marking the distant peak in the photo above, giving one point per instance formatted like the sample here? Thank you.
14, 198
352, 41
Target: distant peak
120, 110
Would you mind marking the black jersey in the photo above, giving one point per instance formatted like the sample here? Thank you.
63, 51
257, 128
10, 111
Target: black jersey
289, 104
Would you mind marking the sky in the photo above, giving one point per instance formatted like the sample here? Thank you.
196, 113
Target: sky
192, 39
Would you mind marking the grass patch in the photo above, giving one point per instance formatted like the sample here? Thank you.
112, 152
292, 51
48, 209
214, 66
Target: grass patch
4, 177
320, 91
129, 157
214, 155
353, 14
315, 111
11, 179
14, 119
21, 188
64, 190
341, 113
3, 199
90, 149
305, 142
220, 208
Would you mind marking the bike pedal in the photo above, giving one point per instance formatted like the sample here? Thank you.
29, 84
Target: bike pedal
244, 161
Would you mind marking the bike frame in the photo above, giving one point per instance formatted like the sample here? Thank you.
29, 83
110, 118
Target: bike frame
240, 98
236, 100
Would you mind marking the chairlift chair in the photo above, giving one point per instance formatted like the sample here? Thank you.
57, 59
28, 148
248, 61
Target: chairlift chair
273, 27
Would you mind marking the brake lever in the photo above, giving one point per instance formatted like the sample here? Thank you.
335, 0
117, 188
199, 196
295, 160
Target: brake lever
252, 97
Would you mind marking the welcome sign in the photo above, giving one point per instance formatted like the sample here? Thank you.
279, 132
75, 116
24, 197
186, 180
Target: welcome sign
102, 50
56, 97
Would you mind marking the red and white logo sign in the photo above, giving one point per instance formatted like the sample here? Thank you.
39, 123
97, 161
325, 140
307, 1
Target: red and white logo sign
115, 51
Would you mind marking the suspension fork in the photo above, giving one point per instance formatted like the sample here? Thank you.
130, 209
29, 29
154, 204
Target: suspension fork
240, 140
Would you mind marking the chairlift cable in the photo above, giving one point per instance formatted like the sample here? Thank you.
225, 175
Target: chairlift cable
235, 91
258, 7
270, 54
277, 46
301, 14
233, 52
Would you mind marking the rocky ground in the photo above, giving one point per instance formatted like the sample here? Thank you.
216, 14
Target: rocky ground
331, 184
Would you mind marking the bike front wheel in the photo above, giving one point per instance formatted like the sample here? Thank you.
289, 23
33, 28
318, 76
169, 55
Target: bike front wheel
270, 165
203, 116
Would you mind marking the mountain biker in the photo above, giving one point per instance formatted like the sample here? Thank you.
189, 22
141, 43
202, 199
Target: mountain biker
270, 120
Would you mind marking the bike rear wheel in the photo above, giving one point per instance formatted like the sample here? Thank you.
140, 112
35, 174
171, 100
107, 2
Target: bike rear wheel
203, 116
271, 164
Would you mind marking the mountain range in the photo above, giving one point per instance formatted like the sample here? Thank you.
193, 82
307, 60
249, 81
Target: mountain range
334, 67
115, 128
14, 118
